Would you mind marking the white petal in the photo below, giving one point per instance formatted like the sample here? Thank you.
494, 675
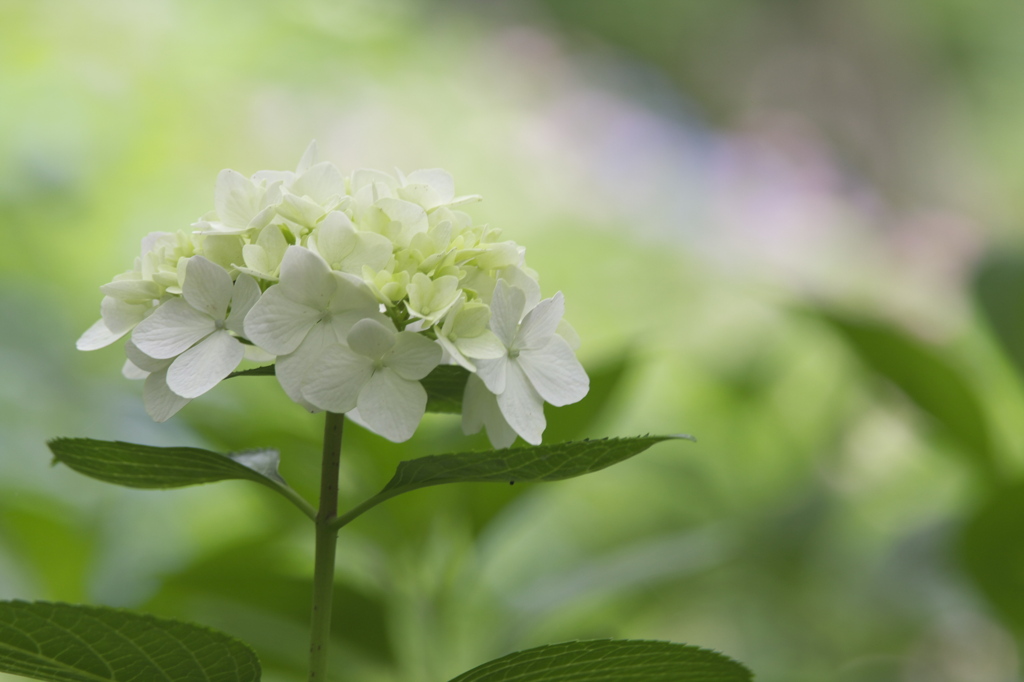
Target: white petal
321, 183
205, 365
540, 324
273, 242
207, 287
518, 278
507, 306
291, 369
120, 316
262, 219
522, 406
244, 295
161, 403
352, 294
143, 361
338, 378
301, 210
413, 356
257, 354
97, 336
493, 373
132, 290
568, 332
130, 371
439, 179
480, 408
485, 346
334, 238
235, 199
392, 406
371, 338
371, 249
171, 329
455, 354
308, 158
555, 372
277, 323
307, 278
363, 177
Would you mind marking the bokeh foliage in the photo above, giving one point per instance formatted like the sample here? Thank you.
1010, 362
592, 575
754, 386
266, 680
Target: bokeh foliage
789, 228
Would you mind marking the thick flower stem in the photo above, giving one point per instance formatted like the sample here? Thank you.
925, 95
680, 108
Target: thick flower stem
326, 541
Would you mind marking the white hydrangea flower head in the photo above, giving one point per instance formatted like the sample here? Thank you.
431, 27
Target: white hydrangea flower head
357, 288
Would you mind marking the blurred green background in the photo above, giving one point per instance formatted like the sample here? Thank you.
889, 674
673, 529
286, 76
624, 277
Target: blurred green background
789, 228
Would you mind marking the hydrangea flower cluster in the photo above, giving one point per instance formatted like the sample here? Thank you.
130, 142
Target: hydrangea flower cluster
356, 288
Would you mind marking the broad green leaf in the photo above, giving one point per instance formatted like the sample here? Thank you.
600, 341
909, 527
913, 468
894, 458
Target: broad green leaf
529, 464
146, 466
929, 379
444, 386
999, 290
612, 660
992, 553
66, 643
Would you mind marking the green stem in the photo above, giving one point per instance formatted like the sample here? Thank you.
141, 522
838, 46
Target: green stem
326, 542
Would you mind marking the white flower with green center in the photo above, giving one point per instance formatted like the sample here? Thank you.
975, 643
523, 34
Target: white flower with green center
199, 330
538, 365
465, 332
311, 309
378, 371
345, 249
430, 299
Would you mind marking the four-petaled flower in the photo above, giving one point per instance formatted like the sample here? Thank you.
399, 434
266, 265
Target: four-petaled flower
378, 371
538, 365
311, 309
199, 330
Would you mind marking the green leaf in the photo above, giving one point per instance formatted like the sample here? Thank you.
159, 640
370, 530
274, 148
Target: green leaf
146, 466
264, 371
66, 643
444, 386
529, 464
999, 290
929, 379
992, 554
609, 659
